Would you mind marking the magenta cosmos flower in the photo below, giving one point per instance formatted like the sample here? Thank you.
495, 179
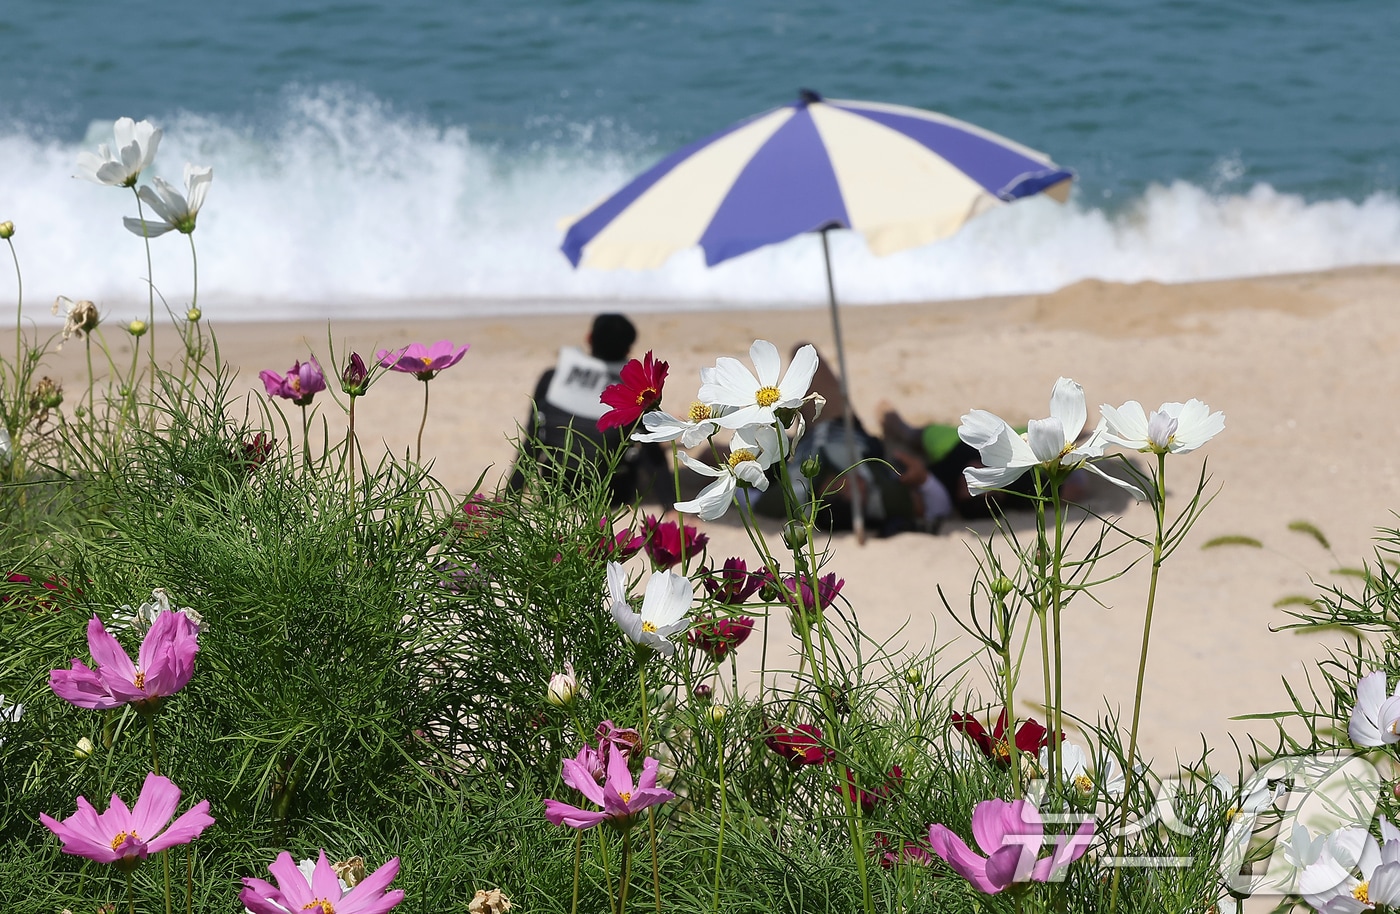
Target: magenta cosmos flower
638, 391
717, 637
1011, 835
322, 894
163, 666
423, 362
621, 800
303, 381
126, 836
802, 745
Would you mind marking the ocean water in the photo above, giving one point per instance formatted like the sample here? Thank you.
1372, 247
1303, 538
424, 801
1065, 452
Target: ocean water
414, 157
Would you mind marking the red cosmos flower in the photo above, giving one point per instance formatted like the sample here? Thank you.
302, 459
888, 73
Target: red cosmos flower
869, 799
617, 547
664, 542
21, 598
909, 853
717, 637
1031, 737
638, 391
734, 583
256, 450
802, 745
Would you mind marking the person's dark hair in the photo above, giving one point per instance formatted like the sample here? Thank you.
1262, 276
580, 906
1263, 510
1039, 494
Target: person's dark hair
612, 337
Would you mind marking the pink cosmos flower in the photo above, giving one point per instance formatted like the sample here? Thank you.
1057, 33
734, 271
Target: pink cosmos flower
664, 542
126, 836
1011, 835
322, 893
617, 547
303, 381
717, 637
733, 584
423, 362
800, 746
621, 799
163, 666
638, 391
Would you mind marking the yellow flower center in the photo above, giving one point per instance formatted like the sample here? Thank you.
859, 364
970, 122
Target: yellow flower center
741, 455
1362, 893
122, 836
320, 906
140, 680
699, 412
295, 383
1002, 750
767, 396
1231, 813
649, 627
625, 796
647, 395
1084, 784
425, 360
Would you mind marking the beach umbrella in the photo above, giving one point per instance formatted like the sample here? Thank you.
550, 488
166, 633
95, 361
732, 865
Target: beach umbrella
899, 176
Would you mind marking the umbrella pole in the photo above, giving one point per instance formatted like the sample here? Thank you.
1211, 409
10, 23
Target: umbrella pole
857, 508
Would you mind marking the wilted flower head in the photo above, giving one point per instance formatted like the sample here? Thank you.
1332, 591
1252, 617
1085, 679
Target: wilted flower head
144, 616
612, 738
177, 211
802, 600
802, 745
46, 395
322, 892
489, 901
164, 666
137, 143
303, 381
423, 362
80, 317
126, 836
638, 391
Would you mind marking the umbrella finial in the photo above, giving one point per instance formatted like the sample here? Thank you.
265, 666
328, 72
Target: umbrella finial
806, 97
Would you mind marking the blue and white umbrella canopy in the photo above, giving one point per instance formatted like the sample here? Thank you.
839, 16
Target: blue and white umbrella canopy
900, 176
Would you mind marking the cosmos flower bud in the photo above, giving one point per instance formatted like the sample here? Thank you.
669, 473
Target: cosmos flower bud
913, 675
136, 328
563, 688
716, 714
812, 466
704, 693
193, 315
7, 230
794, 534
83, 749
1002, 586
353, 380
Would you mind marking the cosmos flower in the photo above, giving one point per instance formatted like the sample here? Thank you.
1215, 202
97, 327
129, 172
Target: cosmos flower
354, 380
717, 637
163, 667
1031, 737
1012, 836
801, 746
322, 893
1330, 884
1173, 428
563, 687
423, 362
126, 836
136, 148
870, 799
696, 426
663, 542
177, 211
664, 608
638, 391
618, 796
1052, 443
750, 397
1375, 718
733, 584
752, 451
303, 381
1076, 773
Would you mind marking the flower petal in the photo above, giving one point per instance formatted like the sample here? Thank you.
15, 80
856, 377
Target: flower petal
1067, 405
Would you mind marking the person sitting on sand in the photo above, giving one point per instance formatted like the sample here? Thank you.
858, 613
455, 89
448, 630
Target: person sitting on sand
565, 412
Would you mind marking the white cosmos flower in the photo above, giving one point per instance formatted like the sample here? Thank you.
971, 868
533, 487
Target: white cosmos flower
697, 426
136, 147
1329, 883
750, 398
1074, 769
177, 211
1375, 719
751, 452
1174, 428
1051, 443
664, 608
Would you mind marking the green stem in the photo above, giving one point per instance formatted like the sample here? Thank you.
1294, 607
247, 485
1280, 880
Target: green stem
578, 848
352, 451
655, 870
194, 303
607, 869
418, 455
626, 872
155, 767
130, 895
1042, 555
1010, 689
150, 283
1160, 510
87, 339
1057, 603
19, 309
719, 848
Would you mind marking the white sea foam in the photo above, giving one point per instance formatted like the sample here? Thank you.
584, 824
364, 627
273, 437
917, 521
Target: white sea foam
344, 208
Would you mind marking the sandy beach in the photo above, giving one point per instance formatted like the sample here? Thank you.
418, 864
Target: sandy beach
1302, 365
